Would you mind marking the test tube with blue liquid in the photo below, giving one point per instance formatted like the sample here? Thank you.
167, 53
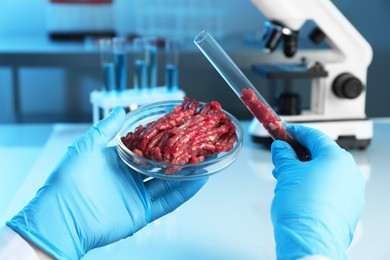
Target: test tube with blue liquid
120, 64
151, 52
107, 62
139, 76
171, 65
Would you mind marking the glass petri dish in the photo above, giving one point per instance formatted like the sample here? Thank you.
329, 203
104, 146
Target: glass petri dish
189, 171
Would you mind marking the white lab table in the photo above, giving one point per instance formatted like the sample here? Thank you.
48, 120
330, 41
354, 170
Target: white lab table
228, 219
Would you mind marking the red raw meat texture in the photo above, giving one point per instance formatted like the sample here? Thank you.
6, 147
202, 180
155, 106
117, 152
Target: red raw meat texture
188, 134
271, 122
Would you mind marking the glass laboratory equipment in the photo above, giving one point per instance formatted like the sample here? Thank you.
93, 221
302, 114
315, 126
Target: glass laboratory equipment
139, 76
107, 63
120, 63
248, 94
151, 59
171, 64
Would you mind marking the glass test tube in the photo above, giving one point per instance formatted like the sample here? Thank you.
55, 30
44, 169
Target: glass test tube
139, 76
151, 62
120, 64
107, 62
248, 94
171, 65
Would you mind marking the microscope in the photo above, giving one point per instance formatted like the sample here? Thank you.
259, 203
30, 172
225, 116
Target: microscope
337, 75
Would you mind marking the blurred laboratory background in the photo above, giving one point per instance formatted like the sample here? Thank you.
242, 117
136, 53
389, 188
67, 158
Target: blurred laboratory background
50, 59
64, 64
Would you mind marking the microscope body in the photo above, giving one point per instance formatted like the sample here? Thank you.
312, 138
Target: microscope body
338, 93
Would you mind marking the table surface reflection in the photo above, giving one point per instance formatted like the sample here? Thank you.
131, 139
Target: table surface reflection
228, 219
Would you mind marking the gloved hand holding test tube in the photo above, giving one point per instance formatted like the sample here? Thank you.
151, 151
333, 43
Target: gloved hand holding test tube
248, 94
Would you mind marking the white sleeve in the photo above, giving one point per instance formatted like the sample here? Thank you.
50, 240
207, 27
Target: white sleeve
315, 257
12, 246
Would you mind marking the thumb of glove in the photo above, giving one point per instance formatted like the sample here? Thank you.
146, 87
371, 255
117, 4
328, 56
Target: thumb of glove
282, 154
99, 135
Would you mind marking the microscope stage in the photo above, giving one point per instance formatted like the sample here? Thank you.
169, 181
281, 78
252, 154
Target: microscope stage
289, 71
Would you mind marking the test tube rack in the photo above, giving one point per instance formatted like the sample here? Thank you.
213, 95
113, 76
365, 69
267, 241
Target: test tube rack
129, 99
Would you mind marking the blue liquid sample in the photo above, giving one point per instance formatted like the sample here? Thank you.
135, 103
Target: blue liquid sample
109, 82
151, 66
171, 77
120, 70
139, 74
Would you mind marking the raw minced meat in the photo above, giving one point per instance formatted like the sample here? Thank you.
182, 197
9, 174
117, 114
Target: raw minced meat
188, 134
272, 123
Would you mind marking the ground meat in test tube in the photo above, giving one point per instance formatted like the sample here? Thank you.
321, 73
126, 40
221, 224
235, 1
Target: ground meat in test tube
271, 122
188, 134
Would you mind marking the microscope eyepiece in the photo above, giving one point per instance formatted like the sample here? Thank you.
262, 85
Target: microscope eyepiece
290, 45
274, 33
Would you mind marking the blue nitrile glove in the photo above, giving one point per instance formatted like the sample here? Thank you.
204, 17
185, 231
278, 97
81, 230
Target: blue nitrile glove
318, 203
92, 199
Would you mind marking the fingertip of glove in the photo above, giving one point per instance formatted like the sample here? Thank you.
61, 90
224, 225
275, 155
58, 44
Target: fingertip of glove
103, 131
117, 111
279, 145
277, 148
298, 130
203, 181
116, 118
197, 184
280, 151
